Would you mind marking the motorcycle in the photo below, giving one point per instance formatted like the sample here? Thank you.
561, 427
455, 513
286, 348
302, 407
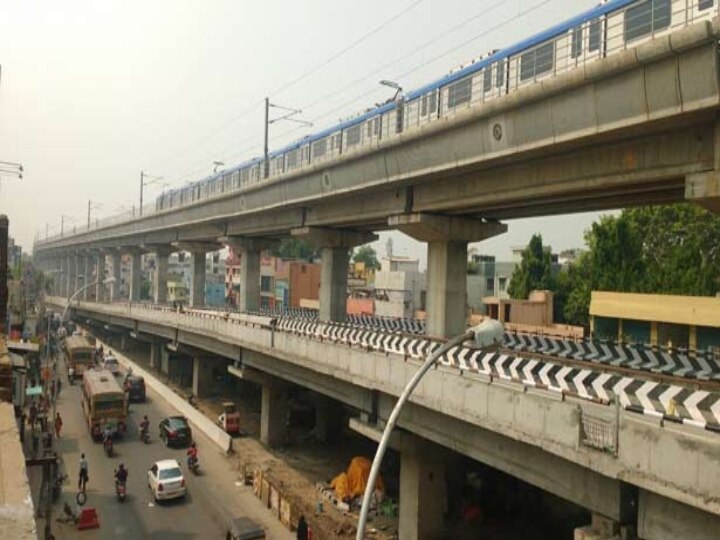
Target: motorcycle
108, 446
193, 464
120, 490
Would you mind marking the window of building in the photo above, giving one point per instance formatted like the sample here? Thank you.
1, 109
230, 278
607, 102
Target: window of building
594, 36
500, 74
538, 61
646, 17
319, 148
459, 92
353, 135
487, 79
576, 42
704, 4
490, 285
502, 284
265, 283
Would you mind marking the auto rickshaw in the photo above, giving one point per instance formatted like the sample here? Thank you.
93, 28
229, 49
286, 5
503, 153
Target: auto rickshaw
229, 419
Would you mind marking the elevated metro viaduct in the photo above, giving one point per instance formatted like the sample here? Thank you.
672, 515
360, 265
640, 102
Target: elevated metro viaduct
638, 127
658, 476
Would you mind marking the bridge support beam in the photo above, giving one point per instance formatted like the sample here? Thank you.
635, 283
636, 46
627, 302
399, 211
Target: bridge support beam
335, 245
202, 378
423, 490
160, 278
79, 273
273, 412
249, 250
660, 518
155, 355
197, 287
704, 189
87, 276
72, 272
447, 239
116, 263
99, 276
327, 418
135, 275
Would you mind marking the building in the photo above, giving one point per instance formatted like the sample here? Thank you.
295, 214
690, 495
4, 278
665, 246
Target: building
400, 288
296, 283
232, 276
215, 289
491, 280
658, 319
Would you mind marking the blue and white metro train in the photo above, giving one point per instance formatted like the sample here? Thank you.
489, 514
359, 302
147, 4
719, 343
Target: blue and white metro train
599, 32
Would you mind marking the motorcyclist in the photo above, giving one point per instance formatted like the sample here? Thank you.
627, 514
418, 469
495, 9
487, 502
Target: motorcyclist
192, 454
107, 437
144, 426
121, 475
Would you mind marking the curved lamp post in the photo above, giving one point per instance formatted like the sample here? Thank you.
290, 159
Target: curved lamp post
107, 281
487, 335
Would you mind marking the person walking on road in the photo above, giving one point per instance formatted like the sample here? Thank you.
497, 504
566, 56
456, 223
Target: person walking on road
32, 414
302, 529
83, 476
58, 425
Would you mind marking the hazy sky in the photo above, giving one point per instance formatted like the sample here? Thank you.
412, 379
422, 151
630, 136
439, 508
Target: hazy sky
94, 92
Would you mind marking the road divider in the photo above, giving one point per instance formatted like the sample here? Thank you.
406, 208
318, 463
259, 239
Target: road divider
196, 417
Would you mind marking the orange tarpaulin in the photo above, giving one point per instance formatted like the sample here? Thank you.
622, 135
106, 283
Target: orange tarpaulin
352, 484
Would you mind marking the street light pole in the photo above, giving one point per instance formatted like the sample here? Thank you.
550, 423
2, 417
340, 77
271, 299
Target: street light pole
486, 335
153, 178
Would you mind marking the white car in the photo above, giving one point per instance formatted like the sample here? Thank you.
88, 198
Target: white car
110, 364
166, 480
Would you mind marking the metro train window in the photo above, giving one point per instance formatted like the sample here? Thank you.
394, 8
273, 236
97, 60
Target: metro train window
647, 17
369, 128
423, 105
594, 35
319, 148
539, 60
459, 92
376, 126
576, 43
704, 4
353, 135
292, 158
500, 74
433, 101
487, 79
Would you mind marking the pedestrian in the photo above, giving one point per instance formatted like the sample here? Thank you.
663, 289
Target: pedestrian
35, 443
58, 425
83, 476
32, 414
302, 529
23, 417
58, 384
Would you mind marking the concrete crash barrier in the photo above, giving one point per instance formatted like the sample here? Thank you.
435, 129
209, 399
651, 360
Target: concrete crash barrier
202, 422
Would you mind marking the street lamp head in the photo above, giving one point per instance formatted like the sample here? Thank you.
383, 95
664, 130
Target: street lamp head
391, 84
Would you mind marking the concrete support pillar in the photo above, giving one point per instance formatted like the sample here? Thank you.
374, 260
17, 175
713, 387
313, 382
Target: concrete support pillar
447, 239
99, 276
197, 289
72, 275
79, 273
600, 528
87, 277
135, 275
155, 354
249, 280
116, 274
160, 278
202, 377
327, 419
273, 413
123, 342
335, 244
164, 361
333, 284
660, 518
423, 492
446, 288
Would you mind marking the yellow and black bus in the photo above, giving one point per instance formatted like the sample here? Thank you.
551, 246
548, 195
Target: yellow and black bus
79, 355
104, 403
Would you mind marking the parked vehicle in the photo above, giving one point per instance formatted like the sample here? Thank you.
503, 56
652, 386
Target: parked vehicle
165, 480
229, 419
175, 431
244, 528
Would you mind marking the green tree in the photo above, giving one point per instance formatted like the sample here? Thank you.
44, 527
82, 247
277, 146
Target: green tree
294, 249
534, 272
366, 254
